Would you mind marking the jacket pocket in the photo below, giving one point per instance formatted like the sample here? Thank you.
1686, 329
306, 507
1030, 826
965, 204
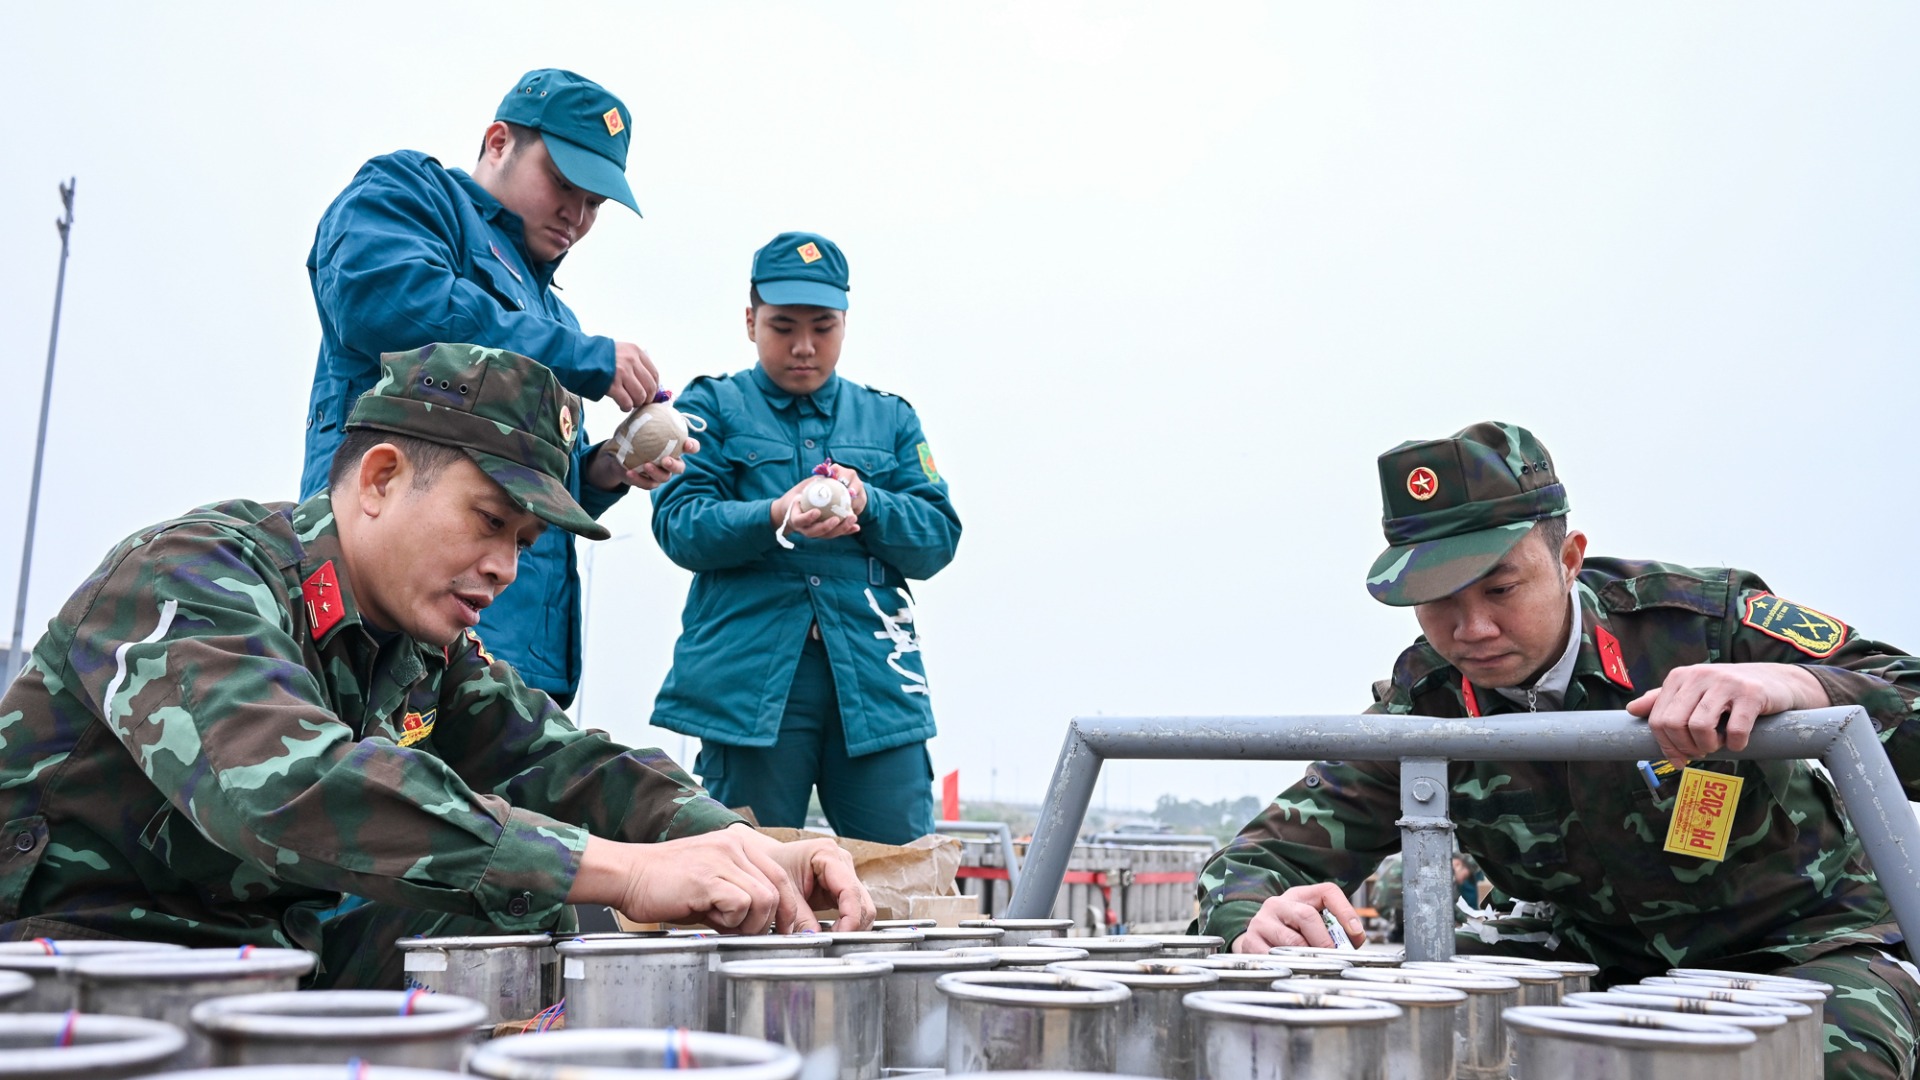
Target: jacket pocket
22, 842
762, 468
871, 462
491, 275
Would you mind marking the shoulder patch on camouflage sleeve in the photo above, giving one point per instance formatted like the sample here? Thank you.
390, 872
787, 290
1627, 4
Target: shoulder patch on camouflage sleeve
1812, 632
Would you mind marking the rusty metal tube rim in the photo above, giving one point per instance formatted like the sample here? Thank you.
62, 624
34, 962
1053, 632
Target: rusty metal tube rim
1733, 986
1097, 945
1017, 924
938, 960
1462, 980
1564, 967
1025, 955
1046, 989
551, 1054
1417, 995
503, 941
1782, 981
575, 947
1141, 974
1635, 1029
1786, 1006
810, 967
1279, 1007
195, 964
321, 1015
1725, 1012
1540, 976
99, 1042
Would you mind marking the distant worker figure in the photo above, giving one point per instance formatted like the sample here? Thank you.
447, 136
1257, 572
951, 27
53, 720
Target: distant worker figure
801, 668
413, 252
1517, 619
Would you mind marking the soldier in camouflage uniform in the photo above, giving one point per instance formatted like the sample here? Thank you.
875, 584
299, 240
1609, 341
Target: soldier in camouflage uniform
1515, 618
253, 708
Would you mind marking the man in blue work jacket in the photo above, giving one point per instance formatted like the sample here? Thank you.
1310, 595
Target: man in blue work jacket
802, 667
413, 253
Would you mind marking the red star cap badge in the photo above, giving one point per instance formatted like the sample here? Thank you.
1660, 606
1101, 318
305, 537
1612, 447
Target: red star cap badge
322, 594
1422, 484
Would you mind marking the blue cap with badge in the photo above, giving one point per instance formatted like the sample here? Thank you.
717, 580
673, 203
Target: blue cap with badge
801, 268
583, 126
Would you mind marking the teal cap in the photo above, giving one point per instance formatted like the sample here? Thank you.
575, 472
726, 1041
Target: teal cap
801, 268
585, 129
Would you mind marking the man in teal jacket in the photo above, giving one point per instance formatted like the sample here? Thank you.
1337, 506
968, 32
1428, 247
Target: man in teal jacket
413, 252
802, 667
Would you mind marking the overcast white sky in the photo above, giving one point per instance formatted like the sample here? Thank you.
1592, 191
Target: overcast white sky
1162, 281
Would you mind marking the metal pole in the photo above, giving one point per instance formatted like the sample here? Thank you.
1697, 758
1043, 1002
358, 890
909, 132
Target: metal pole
15, 651
1426, 858
1876, 805
1059, 826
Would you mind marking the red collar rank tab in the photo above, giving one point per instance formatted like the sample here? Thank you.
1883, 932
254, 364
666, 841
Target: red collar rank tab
322, 594
1611, 662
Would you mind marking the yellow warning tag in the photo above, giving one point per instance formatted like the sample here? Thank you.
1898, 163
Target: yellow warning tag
1703, 814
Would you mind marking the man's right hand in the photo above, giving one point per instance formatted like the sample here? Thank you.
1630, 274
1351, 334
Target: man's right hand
635, 380
1293, 918
721, 879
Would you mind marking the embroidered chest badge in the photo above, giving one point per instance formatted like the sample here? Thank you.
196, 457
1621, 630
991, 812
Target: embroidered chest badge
1813, 633
416, 726
322, 595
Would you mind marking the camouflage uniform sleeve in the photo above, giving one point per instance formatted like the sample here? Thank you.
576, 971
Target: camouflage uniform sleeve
512, 741
1335, 825
1861, 671
187, 653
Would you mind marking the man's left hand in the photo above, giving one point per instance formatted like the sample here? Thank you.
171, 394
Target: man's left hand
856, 488
1686, 712
605, 473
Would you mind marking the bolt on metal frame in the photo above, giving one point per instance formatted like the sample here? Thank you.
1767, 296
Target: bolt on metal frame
1842, 738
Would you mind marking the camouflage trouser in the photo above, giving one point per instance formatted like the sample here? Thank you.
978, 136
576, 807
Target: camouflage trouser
356, 947
1870, 1017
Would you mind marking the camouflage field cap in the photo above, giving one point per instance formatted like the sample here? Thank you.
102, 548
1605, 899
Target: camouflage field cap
1456, 506
507, 412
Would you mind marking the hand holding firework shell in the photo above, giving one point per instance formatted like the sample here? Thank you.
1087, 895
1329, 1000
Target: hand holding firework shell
654, 432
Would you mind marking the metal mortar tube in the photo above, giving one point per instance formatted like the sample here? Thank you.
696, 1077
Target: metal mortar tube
1314, 967
1156, 1035
853, 942
1021, 931
1270, 1035
813, 1003
637, 983
14, 988
1420, 1043
99, 1047
752, 947
1805, 1014
1184, 946
167, 985
508, 973
1348, 957
1538, 986
1026, 957
1741, 980
904, 924
1481, 1049
1111, 947
605, 1054
1576, 977
49, 963
915, 1031
1243, 972
314, 1072
1554, 1042
378, 1027
961, 937
1773, 1056
1000, 1020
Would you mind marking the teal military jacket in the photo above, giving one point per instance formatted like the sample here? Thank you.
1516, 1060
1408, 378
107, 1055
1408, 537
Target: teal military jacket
1587, 837
752, 602
209, 746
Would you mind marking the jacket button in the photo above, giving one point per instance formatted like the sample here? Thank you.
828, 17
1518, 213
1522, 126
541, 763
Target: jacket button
517, 906
809, 444
24, 841
814, 581
752, 455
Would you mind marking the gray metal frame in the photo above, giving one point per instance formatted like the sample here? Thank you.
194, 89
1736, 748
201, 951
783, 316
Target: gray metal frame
1002, 832
1841, 738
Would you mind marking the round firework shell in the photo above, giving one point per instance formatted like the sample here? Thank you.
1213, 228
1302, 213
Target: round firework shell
828, 495
654, 432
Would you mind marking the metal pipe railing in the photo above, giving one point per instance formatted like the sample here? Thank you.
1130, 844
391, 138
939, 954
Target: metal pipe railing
1841, 738
1000, 831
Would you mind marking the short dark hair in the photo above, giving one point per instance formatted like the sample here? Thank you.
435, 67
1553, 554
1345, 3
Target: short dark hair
1553, 533
753, 298
522, 136
429, 459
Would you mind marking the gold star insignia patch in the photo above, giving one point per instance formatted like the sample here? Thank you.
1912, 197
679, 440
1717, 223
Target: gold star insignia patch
809, 252
1807, 630
615, 125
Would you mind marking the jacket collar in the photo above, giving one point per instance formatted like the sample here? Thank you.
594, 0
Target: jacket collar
339, 630
822, 399
507, 222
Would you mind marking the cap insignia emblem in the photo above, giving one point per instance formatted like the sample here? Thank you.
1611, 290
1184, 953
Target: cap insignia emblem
614, 124
809, 252
566, 424
1422, 484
